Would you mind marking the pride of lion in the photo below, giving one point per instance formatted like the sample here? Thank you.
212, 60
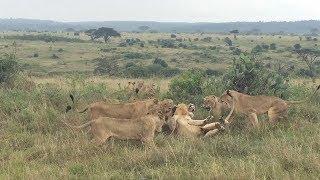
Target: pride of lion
142, 119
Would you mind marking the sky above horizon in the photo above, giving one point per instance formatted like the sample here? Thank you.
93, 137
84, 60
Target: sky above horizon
162, 10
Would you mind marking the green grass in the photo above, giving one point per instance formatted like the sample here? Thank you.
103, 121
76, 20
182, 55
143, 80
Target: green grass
35, 144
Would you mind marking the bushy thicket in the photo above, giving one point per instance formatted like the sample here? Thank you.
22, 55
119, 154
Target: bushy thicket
44, 37
251, 76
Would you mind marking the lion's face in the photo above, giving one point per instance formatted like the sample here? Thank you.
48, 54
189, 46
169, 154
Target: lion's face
181, 109
210, 102
166, 107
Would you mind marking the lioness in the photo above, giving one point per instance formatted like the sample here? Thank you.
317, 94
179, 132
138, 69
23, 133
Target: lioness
182, 124
124, 110
252, 106
142, 128
215, 106
148, 90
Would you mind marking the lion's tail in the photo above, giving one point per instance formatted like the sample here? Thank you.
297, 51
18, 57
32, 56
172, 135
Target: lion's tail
69, 107
306, 100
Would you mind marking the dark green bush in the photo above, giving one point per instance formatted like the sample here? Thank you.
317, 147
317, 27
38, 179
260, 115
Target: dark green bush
166, 43
228, 41
136, 55
251, 76
107, 67
273, 46
257, 49
187, 87
161, 62
8, 68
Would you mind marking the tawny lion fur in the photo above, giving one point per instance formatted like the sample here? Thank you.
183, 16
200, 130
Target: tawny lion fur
252, 106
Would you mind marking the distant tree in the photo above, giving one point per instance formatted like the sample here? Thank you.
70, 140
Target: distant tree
300, 38
105, 33
234, 32
89, 33
76, 34
228, 41
143, 28
311, 58
173, 36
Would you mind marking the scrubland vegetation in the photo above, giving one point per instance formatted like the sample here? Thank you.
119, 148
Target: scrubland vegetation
37, 77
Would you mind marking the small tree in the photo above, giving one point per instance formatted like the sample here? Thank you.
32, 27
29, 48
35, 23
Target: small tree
273, 46
173, 36
311, 58
105, 33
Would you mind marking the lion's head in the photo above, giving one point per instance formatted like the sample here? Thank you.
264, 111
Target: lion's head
210, 102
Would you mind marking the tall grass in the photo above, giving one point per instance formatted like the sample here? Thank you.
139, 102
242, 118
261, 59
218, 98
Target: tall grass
35, 144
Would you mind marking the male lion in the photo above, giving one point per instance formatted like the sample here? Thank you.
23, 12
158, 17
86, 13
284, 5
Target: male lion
142, 128
252, 106
182, 124
124, 110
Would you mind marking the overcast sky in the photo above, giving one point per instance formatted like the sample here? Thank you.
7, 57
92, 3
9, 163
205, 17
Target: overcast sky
162, 10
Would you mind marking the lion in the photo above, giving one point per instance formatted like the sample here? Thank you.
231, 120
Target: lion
215, 107
147, 90
142, 128
124, 110
182, 124
252, 106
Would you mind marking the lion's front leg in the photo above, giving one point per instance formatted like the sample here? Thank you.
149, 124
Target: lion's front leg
199, 122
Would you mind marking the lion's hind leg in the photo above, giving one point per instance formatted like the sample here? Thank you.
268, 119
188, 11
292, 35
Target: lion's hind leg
277, 112
211, 133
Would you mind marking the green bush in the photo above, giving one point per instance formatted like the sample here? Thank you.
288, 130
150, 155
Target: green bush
273, 46
8, 68
106, 66
257, 49
251, 76
228, 41
161, 62
136, 55
187, 87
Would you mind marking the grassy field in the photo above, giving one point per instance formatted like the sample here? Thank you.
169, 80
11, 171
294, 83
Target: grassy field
35, 144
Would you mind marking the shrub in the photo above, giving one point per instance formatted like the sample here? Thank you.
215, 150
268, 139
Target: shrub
105, 66
236, 51
173, 36
297, 46
257, 49
8, 68
166, 43
60, 50
136, 55
211, 72
228, 41
187, 86
35, 55
160, 62
273, 46
265, 46
54, 56
251, 76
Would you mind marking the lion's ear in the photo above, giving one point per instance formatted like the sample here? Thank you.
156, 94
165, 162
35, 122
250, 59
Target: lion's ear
173, 110
229, 94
